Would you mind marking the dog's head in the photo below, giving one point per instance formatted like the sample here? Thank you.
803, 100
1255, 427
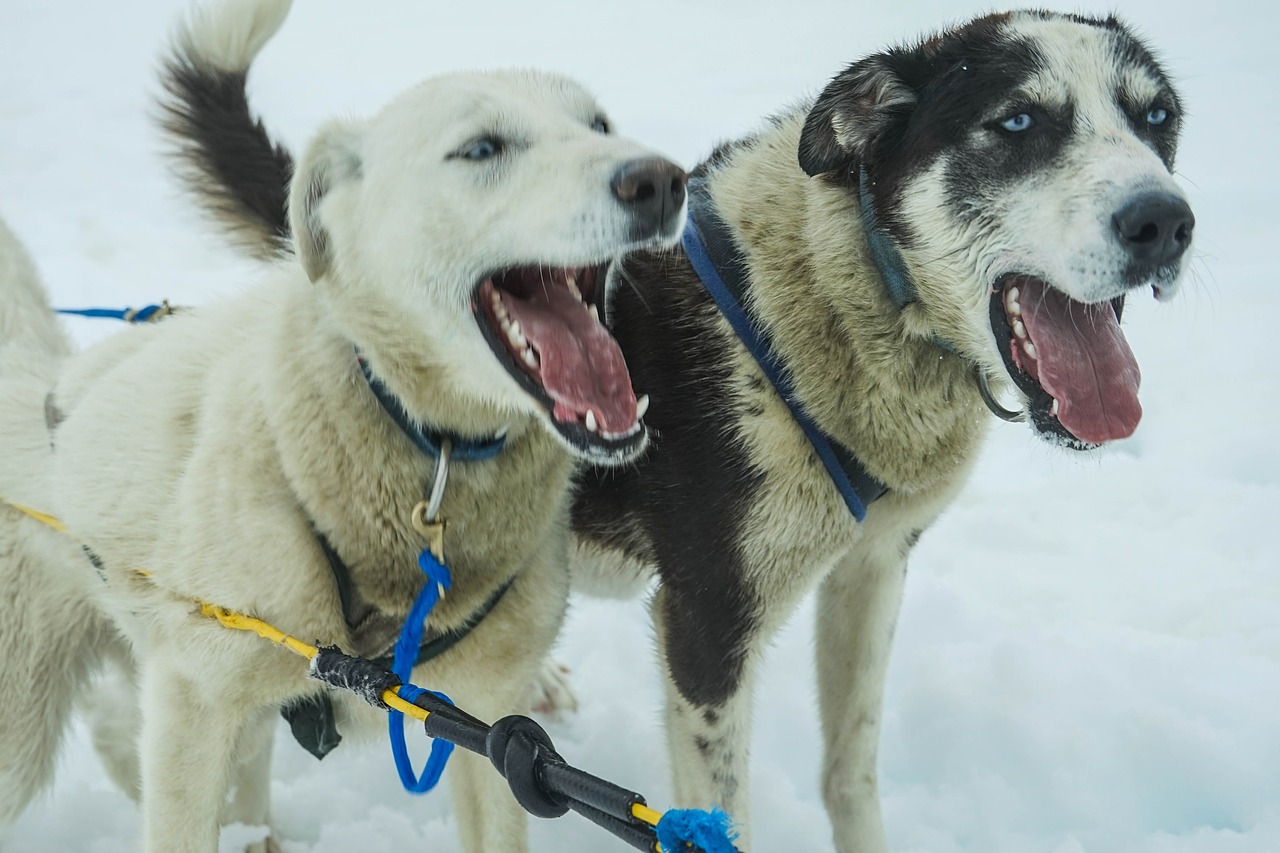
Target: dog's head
474, 219
1021, 164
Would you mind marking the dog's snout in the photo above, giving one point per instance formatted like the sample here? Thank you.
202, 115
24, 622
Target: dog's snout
1155, 228
652, 189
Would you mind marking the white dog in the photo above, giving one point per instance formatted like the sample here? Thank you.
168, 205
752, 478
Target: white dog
450, 249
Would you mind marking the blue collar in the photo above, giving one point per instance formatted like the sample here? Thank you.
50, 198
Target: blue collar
428, 441
719, 256
888, 260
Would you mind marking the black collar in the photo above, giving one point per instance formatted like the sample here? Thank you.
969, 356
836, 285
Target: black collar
718, 261
426, 440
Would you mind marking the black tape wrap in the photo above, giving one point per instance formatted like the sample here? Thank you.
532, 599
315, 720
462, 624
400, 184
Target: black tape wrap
517, 746
364, 678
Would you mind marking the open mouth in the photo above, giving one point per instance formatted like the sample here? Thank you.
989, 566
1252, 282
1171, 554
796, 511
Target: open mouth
1070, 359
544, 326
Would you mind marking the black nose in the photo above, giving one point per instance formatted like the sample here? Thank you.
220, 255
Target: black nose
1155, 228
652, 189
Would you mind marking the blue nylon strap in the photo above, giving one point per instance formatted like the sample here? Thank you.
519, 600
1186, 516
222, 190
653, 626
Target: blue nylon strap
888, 260
766, 358
464, 449
893, 270
128, 314
406, 653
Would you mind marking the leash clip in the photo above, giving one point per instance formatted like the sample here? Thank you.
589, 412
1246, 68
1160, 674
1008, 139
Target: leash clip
426, 514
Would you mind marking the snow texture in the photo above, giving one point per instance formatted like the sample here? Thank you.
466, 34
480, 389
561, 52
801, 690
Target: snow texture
1089, 654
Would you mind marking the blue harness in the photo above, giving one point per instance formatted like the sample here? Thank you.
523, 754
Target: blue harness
717, 259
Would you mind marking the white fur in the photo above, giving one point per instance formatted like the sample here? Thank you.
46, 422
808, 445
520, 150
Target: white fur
228, 35
207, 450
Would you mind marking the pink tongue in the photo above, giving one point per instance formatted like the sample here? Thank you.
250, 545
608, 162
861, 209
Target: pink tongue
1082, 361
581, 365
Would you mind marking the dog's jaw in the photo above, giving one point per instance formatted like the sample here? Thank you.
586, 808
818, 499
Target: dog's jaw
1069, 359
543, 326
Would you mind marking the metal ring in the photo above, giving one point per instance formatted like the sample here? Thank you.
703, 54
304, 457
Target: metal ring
440, 481
996, 409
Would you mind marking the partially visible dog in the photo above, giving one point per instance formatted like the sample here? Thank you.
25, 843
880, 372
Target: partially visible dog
946, 220
450, 249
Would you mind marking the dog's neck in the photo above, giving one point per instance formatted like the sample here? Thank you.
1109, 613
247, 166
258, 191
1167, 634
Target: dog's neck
358, 478
908, 408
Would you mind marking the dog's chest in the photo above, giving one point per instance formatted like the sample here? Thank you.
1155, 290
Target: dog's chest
498, 516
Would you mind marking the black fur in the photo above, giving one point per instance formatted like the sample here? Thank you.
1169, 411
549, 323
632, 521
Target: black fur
951, 84
661, 317
240, 174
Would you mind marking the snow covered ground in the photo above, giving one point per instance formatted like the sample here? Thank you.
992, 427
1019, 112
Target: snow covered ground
1089, 653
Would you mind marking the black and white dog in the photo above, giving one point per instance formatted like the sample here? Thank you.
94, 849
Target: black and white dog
947, 218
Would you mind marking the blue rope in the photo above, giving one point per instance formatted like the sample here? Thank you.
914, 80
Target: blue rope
710, 832
406, 652
141, 315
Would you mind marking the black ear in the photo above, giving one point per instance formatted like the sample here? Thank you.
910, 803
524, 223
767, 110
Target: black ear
856, 111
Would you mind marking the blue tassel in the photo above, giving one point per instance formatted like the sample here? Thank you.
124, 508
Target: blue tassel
710, 831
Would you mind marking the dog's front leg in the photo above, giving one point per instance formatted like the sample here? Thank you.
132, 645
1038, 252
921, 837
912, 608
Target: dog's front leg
857, 610
251, 786
187, 753
708, 710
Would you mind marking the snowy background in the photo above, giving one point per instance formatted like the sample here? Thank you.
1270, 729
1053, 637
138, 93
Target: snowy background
1089, 653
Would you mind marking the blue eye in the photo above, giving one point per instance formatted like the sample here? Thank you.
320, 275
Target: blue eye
482, 149
1018, 123
1157, 116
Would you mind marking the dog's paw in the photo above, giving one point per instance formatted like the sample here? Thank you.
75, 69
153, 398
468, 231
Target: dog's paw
551, 692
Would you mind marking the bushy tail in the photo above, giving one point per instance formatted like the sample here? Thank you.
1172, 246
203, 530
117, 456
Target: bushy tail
32, 342
227, 158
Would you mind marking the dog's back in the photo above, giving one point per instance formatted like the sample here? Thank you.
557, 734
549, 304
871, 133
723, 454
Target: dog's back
31, 341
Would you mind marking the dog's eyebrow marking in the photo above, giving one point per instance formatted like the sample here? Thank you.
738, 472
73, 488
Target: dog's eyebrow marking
1138, 86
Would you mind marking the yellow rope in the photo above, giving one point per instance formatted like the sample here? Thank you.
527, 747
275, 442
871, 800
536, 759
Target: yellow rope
241, 622
644, 814
41, 517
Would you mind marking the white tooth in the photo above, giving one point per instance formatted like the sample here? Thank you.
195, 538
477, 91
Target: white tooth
1012, 295
1053, 410
1019, 329
514, 329
592, 426
1014, 309
642, 406
1030, 349
595, 312
530, 359
519, 340
573, 286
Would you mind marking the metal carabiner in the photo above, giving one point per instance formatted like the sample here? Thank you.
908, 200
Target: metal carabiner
426, 514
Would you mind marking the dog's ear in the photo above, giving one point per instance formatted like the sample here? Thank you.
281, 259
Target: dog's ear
853, 115
332, 159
